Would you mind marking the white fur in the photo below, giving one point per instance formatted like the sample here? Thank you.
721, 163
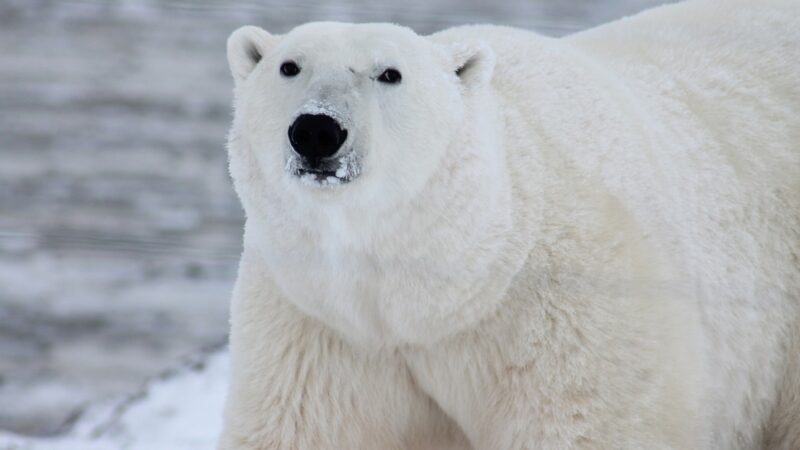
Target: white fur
589, 242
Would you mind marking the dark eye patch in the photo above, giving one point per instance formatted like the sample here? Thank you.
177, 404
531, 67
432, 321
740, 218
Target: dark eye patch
390, 76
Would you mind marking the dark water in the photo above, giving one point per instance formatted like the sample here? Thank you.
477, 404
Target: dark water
119, 231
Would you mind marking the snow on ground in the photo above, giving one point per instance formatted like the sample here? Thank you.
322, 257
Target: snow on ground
181, 411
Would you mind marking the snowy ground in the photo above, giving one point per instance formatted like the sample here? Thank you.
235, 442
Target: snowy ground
119, 231
181, 411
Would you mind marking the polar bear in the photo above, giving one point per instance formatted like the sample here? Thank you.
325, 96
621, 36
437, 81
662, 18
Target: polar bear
490, 239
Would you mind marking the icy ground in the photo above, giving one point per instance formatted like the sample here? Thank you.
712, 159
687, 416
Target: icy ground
177, 412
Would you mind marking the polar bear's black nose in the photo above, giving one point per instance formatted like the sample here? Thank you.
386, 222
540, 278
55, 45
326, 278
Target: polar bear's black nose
316, 136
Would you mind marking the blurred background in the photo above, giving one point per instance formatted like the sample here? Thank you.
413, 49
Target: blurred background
119, 230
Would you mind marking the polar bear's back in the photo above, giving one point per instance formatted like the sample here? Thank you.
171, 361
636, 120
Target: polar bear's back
698, 102
725, 73
719, 86
690, 115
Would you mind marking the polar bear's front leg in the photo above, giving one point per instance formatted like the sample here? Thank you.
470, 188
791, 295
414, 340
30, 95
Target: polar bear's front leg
296, 385
560, 375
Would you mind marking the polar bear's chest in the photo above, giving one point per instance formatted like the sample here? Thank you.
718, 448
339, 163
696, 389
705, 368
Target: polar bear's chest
390, 299
341, 288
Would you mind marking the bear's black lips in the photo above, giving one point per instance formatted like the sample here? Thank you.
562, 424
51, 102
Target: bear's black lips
320, 175
317, 171
324, 171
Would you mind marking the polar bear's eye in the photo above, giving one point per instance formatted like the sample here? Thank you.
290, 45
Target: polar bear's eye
289, 69
391, 76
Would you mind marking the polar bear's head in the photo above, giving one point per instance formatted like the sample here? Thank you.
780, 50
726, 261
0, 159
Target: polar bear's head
334, 113
368, 158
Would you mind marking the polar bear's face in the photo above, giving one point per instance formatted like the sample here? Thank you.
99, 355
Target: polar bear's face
348, 143
362, 112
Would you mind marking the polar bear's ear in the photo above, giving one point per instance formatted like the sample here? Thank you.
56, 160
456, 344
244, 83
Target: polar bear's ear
246, 47
473, 62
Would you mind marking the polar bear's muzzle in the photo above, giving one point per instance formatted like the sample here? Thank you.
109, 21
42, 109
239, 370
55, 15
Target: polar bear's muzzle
318, 156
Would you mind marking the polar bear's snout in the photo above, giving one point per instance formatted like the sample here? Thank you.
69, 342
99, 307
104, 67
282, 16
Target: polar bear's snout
319, 153
316, 136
